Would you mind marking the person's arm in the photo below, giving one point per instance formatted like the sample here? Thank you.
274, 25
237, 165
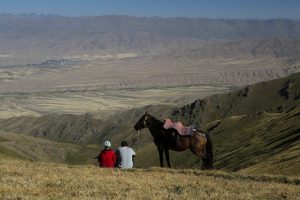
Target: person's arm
99, 158
133, 156
117, 153
114, 158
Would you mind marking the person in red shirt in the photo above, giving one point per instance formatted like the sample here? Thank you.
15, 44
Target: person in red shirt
107, 157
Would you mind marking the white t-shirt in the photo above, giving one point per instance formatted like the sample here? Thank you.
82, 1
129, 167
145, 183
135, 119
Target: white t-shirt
125, 157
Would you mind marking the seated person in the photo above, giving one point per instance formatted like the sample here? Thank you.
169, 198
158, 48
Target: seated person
125, 156
107, 157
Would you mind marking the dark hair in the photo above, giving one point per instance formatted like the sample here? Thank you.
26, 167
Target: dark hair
124, 143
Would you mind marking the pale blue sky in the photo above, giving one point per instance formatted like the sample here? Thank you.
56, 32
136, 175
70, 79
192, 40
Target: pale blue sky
260, 9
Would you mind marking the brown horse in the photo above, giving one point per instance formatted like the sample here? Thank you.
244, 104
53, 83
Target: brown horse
169, 139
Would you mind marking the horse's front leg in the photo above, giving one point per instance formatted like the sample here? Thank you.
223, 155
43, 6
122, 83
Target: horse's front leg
167, 157
161, 156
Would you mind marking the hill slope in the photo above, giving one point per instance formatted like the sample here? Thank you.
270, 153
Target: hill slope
38, 180
259, 143
280, 95
255, 129
39, 149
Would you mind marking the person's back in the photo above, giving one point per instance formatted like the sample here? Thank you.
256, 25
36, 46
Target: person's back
125, 156
107, 157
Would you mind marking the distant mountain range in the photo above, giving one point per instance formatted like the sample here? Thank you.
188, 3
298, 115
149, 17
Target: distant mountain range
276, 48
55, 35
156, 52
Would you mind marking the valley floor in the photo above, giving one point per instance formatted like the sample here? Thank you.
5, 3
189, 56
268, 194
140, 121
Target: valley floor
99, 101
41, 180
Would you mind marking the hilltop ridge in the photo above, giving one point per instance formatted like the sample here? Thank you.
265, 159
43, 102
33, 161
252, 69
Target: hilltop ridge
280, 95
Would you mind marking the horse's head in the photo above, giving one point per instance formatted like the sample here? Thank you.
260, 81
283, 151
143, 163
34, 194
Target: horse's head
144, 122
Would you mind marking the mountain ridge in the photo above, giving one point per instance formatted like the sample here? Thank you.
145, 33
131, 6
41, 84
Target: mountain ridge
251, 99
55, 35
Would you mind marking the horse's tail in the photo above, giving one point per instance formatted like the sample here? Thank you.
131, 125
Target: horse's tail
208, 160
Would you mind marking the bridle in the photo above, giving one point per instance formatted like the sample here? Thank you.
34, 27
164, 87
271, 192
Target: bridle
145, 122
139, 132
138, 140
145, 126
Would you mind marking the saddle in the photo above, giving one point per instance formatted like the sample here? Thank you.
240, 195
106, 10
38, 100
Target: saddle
181, 129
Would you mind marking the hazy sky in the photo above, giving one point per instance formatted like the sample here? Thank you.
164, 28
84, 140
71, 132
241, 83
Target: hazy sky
261, 9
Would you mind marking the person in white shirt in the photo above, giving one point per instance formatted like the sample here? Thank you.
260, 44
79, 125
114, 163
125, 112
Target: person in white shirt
125, 156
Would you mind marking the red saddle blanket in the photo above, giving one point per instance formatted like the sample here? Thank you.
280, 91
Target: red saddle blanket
181, 129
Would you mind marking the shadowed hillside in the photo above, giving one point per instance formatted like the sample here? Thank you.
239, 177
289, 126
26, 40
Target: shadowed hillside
38, 149
71, 128
259, 143
79, 128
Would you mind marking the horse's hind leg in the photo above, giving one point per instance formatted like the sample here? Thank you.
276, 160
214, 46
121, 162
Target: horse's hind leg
200, 154
204, 163
167, 157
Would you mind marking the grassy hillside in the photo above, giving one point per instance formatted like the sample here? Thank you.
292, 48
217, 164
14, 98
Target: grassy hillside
85, 128
259, 143
38, 149
280, 95
255, 129
40, 180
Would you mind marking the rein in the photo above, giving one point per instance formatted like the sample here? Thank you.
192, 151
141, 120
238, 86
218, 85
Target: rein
139, 132
138, 140
145, 122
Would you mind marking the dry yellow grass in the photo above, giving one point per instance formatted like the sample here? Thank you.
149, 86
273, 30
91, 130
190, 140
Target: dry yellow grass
38, 180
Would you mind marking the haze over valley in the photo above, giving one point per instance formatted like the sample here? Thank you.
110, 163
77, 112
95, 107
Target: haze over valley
51, 58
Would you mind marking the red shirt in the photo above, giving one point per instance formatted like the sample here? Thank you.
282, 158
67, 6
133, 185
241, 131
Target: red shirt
107, 158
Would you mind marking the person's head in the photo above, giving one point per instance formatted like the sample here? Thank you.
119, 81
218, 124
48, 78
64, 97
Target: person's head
107, 144
124, 143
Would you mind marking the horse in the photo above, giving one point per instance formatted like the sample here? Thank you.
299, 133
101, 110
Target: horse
199, 143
